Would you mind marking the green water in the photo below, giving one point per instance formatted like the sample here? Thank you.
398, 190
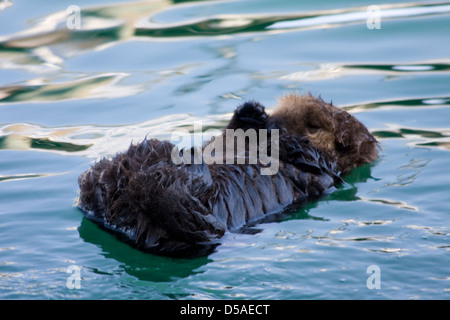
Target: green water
71, 96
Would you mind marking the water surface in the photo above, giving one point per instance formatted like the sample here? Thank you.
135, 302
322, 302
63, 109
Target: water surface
70, 96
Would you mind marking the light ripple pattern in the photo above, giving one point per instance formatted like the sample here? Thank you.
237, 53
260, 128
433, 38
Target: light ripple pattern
70, 96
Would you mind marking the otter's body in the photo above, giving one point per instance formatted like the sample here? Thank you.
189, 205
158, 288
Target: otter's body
165, 208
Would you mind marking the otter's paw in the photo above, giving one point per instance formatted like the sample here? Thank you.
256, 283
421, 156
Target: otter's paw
249, 115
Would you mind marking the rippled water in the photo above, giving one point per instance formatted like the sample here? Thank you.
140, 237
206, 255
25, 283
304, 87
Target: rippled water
70, 95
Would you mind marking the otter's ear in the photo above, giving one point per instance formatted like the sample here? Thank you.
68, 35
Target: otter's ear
250, 115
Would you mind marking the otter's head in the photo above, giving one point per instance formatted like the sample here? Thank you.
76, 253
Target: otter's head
334, 132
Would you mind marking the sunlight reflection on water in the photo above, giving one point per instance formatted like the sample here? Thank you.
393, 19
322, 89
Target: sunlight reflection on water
72, 96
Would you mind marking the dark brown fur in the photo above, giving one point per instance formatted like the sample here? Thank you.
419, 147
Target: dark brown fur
182, 210
337, 134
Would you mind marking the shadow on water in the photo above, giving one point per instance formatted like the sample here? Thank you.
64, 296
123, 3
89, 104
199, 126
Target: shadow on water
141, 265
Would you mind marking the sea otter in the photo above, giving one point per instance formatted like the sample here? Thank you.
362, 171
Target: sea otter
183, 209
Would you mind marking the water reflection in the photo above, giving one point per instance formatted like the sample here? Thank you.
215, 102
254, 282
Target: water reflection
327, 71
141, 265
113, 23
343, 17
398, 204
434, 231
98, 141
417, 137
46, 46
236, 24
98, 25
101, 86
5, 4
396, 68
25, 176
18, 142
406, 103
50, 63
348, 191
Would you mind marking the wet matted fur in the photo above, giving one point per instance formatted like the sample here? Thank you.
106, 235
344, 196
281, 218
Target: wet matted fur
182, 210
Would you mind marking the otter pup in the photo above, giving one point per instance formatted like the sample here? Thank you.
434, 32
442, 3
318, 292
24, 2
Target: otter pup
161, 207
